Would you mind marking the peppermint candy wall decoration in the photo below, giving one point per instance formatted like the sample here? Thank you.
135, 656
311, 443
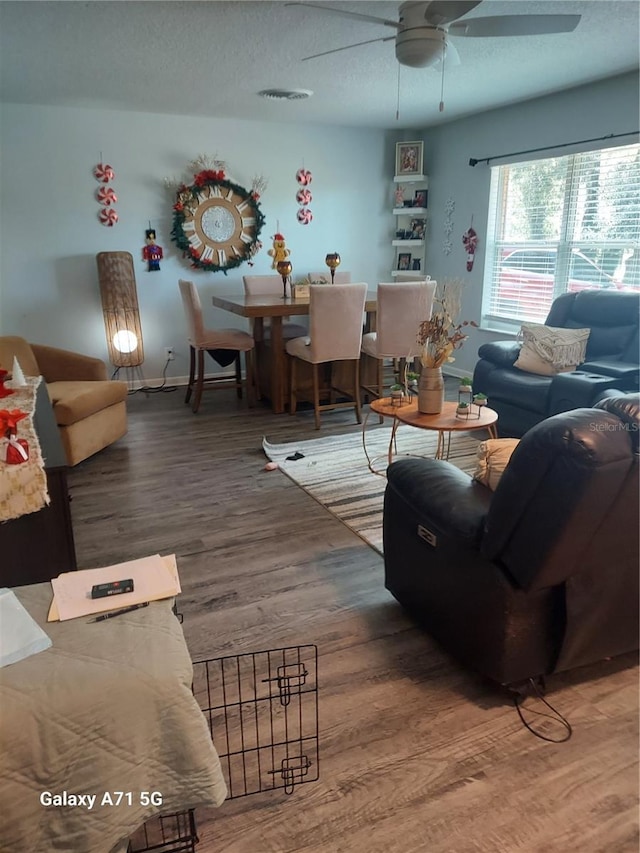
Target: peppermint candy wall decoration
103, 173
304, 197
108, 216
105, 195
304, 177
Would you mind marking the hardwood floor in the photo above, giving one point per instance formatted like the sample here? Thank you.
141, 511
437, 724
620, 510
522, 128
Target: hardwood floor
417, 755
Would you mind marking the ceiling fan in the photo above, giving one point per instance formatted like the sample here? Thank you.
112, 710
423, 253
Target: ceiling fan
423, 29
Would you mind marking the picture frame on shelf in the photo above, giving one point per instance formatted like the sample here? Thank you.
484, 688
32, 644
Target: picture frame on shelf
409, 157
404, 260
420, 198
417, 229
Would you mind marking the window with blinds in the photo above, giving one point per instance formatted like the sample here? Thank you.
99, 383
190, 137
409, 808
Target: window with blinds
557, 225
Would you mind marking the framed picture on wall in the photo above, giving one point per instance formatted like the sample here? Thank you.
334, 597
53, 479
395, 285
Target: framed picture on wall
404, 260
409, 158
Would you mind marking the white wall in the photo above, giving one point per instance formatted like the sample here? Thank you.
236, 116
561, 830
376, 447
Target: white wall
50, 232
606, 107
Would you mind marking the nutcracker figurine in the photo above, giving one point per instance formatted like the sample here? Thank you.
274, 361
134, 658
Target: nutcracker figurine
152, 253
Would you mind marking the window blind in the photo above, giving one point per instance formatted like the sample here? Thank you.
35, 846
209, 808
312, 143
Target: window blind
561, 224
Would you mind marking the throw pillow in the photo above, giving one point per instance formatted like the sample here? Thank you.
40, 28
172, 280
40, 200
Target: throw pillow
492, 458
547, 350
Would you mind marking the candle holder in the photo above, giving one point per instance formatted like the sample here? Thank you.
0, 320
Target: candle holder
284, 268
465, 392
332, 260
479, 401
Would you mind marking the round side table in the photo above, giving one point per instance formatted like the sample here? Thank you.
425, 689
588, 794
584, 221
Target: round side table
446, 422
384, 407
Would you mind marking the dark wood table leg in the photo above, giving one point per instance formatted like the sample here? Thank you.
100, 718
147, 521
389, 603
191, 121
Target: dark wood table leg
278, 366
370, 322
258, 330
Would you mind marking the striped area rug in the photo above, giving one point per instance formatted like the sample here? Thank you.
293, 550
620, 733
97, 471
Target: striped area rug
335, 470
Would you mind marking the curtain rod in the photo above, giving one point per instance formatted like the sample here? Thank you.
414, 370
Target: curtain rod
474, 162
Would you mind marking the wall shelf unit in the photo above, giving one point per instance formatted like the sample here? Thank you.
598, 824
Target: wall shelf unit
410, 212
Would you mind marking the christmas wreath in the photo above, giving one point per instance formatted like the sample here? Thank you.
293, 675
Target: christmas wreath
216, 222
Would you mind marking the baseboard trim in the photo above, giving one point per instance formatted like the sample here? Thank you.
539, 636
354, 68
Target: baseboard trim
170, 381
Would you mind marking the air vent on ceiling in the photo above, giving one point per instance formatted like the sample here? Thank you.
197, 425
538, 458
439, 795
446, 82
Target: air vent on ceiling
285, 94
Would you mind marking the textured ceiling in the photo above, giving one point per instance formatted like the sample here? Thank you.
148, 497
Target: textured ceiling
211, 58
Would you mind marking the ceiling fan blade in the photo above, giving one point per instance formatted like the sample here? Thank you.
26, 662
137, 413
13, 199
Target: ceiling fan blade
444, 11
515, 25
332, 11
348, 47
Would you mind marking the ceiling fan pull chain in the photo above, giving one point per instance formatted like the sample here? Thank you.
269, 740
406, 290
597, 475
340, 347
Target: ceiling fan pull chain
444, 53
398, 96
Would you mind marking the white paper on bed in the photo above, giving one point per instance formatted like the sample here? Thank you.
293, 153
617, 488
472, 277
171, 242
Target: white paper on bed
152, 579
20, 634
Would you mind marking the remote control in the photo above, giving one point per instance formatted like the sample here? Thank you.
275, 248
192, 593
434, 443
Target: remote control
102, 590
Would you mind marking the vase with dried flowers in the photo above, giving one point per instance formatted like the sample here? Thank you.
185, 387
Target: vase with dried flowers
439, 337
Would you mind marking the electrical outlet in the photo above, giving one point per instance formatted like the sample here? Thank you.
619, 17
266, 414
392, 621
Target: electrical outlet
169, 354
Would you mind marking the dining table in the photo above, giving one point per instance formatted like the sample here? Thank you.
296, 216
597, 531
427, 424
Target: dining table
257, 307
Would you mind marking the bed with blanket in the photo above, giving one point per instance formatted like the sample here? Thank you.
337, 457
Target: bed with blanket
107, 709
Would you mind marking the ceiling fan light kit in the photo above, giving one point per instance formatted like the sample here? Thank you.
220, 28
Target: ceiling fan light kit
420, 47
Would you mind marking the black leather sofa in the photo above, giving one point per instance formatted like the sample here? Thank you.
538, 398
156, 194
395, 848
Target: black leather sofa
539, 576
612, 361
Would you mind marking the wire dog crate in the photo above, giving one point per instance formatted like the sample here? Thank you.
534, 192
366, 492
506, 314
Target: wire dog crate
172, 833
262, 713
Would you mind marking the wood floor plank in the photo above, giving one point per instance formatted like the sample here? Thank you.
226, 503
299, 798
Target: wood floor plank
417, 755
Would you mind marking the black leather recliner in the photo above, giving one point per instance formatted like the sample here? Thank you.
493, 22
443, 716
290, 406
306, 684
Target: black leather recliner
539, 576
612, 361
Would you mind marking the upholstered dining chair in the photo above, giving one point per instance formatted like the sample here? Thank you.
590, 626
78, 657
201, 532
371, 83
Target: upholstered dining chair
335, 334
339, 277
270, 284
401, 309
228, 344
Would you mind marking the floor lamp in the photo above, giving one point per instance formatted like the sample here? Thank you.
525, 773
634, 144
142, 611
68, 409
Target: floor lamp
121, 315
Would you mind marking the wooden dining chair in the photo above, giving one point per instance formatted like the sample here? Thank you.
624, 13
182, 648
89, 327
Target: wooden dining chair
335, 334
401, 309
270, 284
227, 344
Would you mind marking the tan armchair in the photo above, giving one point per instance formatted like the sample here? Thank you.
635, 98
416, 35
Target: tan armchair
89, 408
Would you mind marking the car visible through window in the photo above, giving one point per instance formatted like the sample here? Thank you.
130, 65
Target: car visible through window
527, 280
